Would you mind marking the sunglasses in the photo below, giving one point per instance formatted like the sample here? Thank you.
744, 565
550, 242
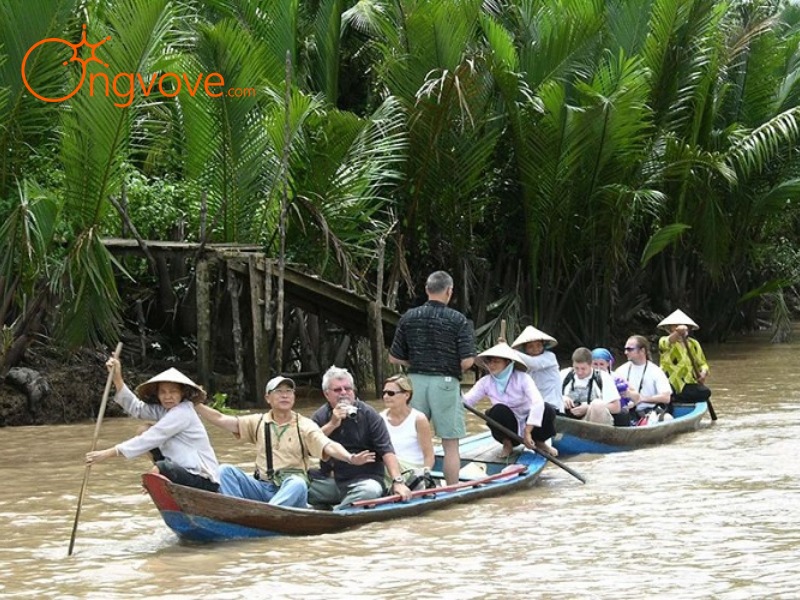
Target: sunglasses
627, 349
391, 393
339, 390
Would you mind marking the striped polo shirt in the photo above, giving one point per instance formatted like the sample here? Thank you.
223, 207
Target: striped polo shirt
434, 339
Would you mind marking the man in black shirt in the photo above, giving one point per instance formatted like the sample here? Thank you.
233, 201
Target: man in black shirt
437, 344
358, 427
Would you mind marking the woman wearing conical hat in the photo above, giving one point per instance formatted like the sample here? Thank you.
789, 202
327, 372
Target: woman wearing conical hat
534, 349
516, 403
683, 360
188, 458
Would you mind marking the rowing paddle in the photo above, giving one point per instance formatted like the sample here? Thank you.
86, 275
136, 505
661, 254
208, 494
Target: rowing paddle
100, 414
696, 370
711, 410
512, 471
516, 438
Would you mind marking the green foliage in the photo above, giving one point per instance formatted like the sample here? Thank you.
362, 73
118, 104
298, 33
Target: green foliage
219, 401
570, 161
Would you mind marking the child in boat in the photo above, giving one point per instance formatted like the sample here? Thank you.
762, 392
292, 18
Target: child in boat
188, 458
516, 402
588, 394
603, 360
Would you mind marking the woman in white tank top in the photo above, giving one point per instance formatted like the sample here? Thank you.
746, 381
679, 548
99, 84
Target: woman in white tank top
409, 428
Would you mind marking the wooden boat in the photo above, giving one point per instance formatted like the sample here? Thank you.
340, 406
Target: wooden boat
201, 516
577, 437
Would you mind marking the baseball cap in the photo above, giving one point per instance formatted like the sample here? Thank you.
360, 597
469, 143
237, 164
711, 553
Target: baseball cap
273, 383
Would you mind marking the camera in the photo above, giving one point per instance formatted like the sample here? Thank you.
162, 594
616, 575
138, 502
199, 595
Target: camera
350, 410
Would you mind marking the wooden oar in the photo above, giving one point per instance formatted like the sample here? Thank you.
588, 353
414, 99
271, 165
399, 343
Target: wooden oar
502, 337
711, 410
102, 412
696, 369
516, 438
512, 471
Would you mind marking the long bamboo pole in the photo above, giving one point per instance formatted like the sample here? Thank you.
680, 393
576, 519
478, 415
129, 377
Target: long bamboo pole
96, 435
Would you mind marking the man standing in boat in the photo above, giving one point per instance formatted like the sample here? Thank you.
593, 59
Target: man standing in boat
284, 441
437, 344
683, 360
359, 428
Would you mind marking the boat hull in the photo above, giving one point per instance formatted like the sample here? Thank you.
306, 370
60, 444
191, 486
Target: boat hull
200, 516
578, 437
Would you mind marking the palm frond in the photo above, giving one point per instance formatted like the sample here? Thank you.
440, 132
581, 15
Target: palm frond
661, 239
557, 40
25, 121
89, 312
26, 237
755, 150
273, 23
325, 68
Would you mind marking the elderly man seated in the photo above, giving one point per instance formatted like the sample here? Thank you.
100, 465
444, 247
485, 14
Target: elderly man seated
359, 428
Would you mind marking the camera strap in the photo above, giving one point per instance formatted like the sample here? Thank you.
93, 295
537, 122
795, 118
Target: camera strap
268, 448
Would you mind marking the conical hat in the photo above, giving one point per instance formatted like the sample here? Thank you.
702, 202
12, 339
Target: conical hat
678, 318
531, 334
502, 350
148, 391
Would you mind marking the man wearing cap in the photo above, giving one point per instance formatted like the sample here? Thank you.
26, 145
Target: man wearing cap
683, 360
187, 455
284, 442
359, 428
534, 349
437, 344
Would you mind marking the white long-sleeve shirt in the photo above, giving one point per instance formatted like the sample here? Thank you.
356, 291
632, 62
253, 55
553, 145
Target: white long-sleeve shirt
545, 372
178, 433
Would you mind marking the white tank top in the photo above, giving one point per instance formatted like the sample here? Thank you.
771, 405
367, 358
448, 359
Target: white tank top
404, 438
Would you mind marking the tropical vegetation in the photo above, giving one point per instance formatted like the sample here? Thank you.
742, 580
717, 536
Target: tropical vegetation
577, 164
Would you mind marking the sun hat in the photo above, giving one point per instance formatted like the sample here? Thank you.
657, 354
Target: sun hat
502, 350
531, 334
273, 383
148, 391
678, 318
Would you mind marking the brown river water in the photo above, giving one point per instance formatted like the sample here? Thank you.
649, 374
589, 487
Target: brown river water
713, 514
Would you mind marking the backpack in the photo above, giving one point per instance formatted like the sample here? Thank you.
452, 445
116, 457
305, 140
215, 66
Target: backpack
596, 379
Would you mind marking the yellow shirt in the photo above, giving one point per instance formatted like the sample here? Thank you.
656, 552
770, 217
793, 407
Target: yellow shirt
287, 451
677, 364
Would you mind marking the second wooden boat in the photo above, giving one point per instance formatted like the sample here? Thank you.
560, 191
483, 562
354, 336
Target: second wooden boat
578, 437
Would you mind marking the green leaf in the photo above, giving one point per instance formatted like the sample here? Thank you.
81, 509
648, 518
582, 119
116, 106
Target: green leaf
661, 239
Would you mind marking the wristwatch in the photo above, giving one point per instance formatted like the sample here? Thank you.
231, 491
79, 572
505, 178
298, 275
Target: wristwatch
399, 479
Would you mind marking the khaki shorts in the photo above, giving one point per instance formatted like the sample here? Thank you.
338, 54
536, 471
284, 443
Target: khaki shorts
438, 397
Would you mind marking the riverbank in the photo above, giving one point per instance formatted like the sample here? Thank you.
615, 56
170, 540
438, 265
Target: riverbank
71, 387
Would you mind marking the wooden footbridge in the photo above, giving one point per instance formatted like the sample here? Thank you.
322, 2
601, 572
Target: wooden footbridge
246, 267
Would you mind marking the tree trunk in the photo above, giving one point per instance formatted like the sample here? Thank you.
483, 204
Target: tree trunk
204, 335
235, 290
